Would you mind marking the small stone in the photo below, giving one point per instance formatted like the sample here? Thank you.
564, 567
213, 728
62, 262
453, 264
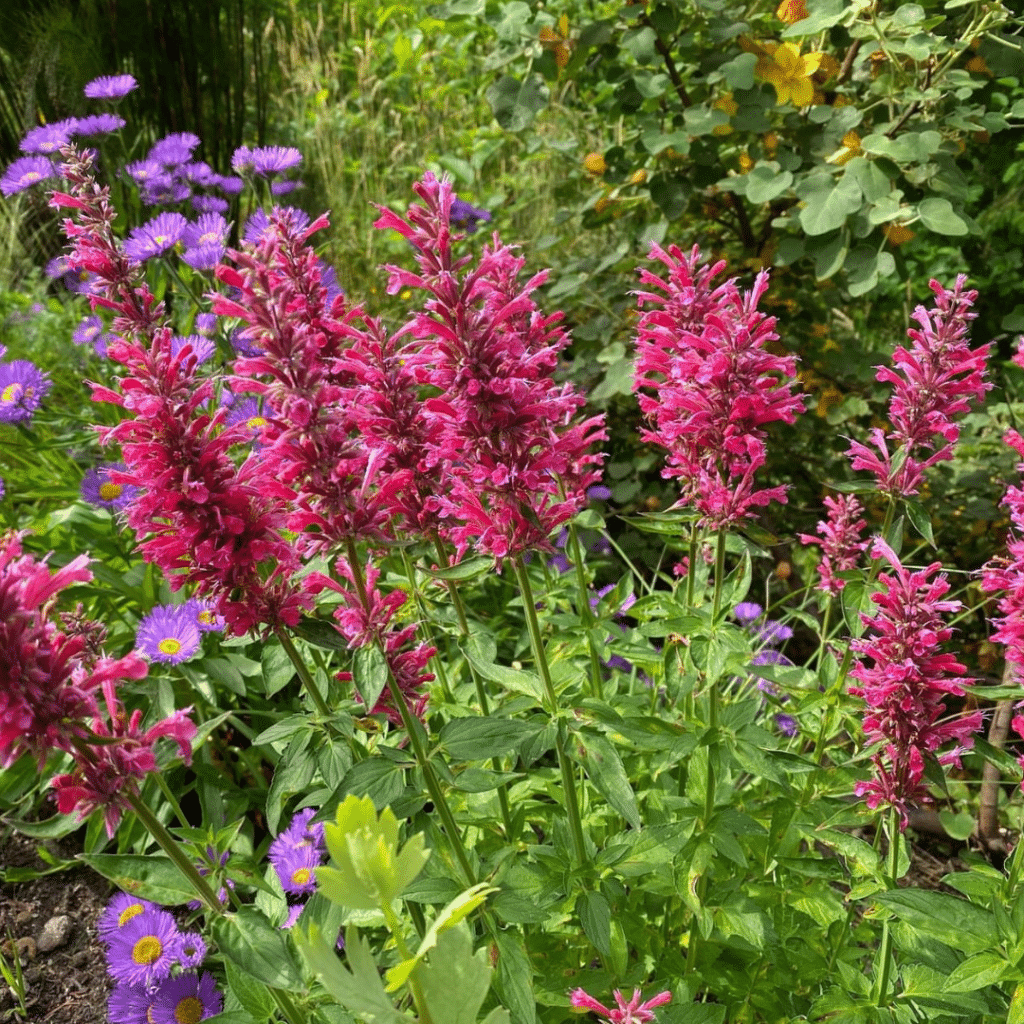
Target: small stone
55, 933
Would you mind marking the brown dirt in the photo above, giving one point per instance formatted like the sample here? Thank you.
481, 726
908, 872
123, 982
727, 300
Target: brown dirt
67, 985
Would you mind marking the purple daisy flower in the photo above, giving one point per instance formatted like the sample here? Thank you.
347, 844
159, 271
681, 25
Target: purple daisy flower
144, 949
747, 611
329, 279
598, 493
110, 87
464, 215
283, 188
297, 852
242, 160
98, 124
231, 184
130, 1004
207, 621
88, 331
144, 171
99, 490
270, 160
26, 172
247, 411
202, 348
192, 951
3, 487
773, 633
119, 911
197, 172
258, 224
48, 138
155, 237
206, 324
168, 633
165, 191
786, 724
175, 149
187, 998
209, 204
294, 912
243, 346
22, 387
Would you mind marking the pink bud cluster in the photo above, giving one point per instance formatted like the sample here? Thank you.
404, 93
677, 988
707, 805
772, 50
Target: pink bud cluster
707, 385
505, 438
49, 682
203, 519
934, 381
840, 540
906, 682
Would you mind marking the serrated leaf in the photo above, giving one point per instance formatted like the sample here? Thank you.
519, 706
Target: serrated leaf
320, 634
477, 739
596, 917
604, 768
152, 877
370, 673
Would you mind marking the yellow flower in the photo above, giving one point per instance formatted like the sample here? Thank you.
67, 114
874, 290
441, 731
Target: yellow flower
830, 396
638, 177
594, 163
897, 234
849, 149
770, 143
791, 11
557, 40
790, 72
746, 164
978, 66
727, 105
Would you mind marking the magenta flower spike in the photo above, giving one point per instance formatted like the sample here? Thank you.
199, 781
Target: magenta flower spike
934, 382
840, 540
905, 681
631, 1011
708, 386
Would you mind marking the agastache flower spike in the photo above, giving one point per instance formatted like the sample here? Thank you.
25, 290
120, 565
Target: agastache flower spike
626, 1012
840, 541
934, 381
907, 681
714, 387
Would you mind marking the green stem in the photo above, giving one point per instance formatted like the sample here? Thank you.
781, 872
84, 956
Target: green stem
304, 674
285, 1004
395, 927
170, 797
719, 573
883, 965
691, 567
572, 806
175, 853
438, 663
586, 613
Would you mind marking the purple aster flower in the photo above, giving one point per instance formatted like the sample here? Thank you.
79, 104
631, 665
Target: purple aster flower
22, 387
772, 633
243, 346
207, 621
3, 488
110, 87
98, 124
168, 633
769, 656
48, 138
206, 324
786, 724
202, 348
175, 149
231, 184
165, 191
144, 171
294, 911
247, 411
297, 852
197, 172
257, 225
209, 204
599, 493
155, 237
329, 279
192, 950
187, 998
88, 331
464, 215
99, 490
130, 1004
270, 160
119, 911
26, 172
747, 611
144, 949
242, 160
283, 188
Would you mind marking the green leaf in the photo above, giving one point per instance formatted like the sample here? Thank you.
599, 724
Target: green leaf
479, 652
254, 999
482, 780
828, 253
467, 569
596, 917
957, 923
320, 634
670, 192
977, 972
376, 777
828, 202
821, 15
456, 981
152, 877
516, 104
604, 768
515, 978
370, 673
477, 739
938, 215
254, 945
765, 184
922, 522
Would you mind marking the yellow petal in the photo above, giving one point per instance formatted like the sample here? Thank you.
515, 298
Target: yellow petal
802, 91
809, 63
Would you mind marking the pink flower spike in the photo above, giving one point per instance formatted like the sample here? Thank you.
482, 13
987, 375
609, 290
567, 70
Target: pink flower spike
628, 1012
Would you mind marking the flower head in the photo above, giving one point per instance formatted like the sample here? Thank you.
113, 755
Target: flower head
626, 1012
88, 331
121, 909
297, 852
155, 237
98, 124
26, 172
23, 386
110, 87
98, 489
270, 160
186, 999
175, 149
466, 216
130, 1004
790, 72
168, 633
840, 540
48, 138
144, 949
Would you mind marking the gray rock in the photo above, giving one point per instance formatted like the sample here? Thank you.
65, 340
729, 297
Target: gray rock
55, 933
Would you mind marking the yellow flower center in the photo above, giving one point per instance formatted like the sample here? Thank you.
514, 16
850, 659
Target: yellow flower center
255, 422
169, 645
147, 950
206, 617
11, 393
188, 1011
109, 491
128, 913
32, 176
160, 239
301, 877
209, 237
